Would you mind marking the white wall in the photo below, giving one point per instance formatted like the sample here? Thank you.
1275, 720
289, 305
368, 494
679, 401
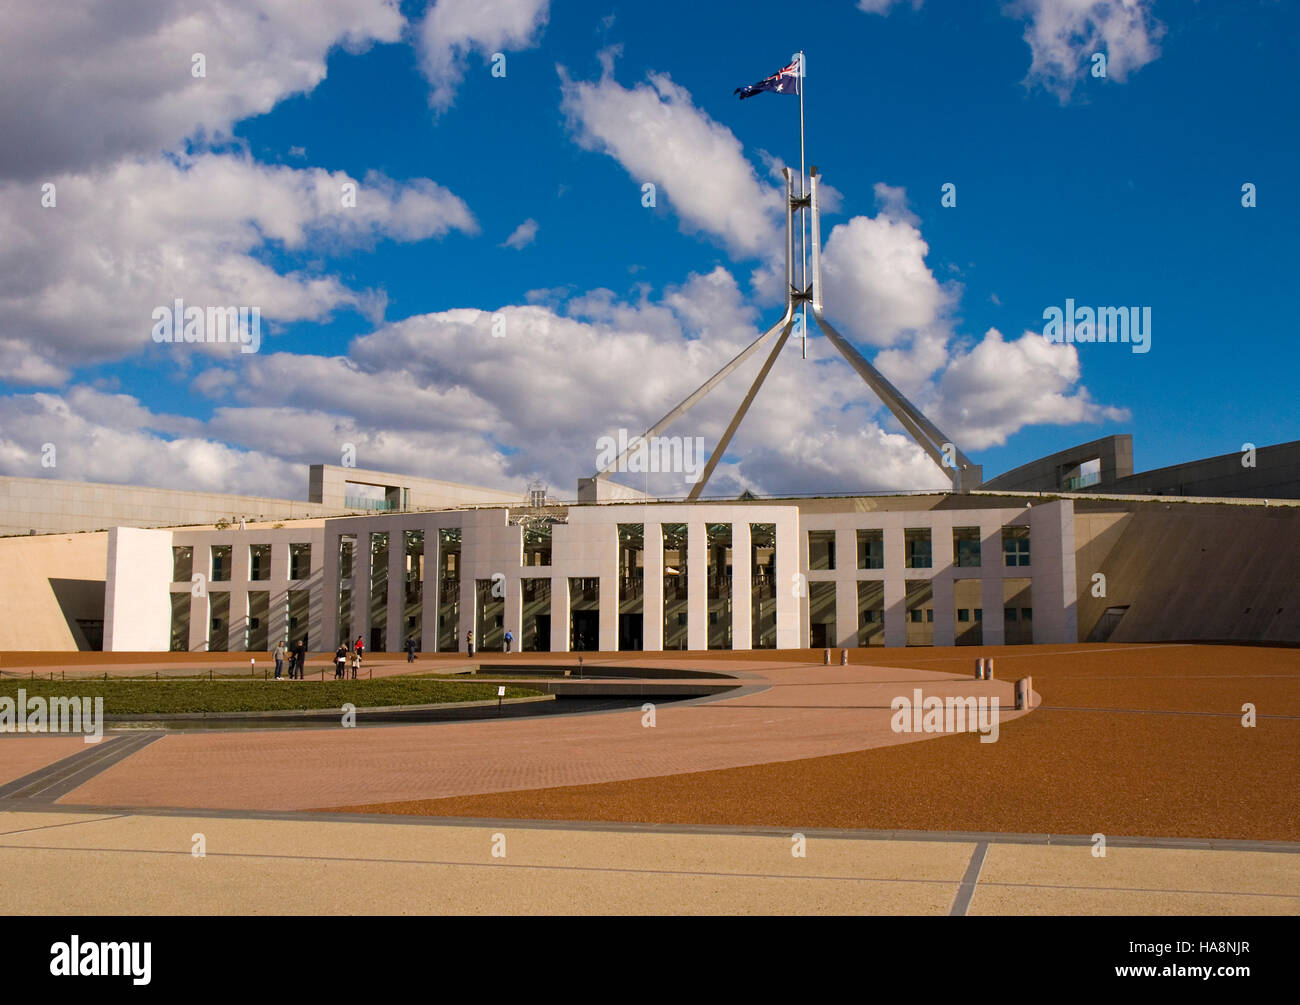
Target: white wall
137, 603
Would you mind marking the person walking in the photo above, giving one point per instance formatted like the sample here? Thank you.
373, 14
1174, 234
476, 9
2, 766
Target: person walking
509, 640
300, 657
360, 647
356, 664
340, 661
469, 643
278, 655
410, 650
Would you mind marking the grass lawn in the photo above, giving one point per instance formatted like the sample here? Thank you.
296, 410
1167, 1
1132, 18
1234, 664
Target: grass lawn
148, 697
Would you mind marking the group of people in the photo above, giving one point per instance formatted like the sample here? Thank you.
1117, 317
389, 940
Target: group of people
341, 659
297, 659
506, 643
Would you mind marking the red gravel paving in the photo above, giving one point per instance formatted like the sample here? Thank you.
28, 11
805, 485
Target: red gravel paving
1073, 772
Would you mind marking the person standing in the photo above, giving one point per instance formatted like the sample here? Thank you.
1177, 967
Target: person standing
410, 650
300, 656
340, 661
356, 664
360, 647
509, 640
278, 655
469, 643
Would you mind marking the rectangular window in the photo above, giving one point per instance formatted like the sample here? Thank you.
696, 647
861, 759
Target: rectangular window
259, 561
918, 550
1015, 546
220, 563
871, 549
537, 543
718, 577
966, 547
536, 594
180, 641
919, 594
821, 550
299, 561
762, 569
675, 538
822, 630
182, 567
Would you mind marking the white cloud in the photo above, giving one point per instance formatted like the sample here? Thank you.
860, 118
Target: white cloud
113, 438
1063, 35
522, 236
438, 394
658, 135
78, 281
877, 284
453, 28
97, 81
999, 387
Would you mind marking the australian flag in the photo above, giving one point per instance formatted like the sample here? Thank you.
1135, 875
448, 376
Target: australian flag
784, 81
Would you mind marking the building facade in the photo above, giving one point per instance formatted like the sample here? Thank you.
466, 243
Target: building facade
637, 576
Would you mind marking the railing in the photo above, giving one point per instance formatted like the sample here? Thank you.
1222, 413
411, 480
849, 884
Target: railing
380, 505
1082, 481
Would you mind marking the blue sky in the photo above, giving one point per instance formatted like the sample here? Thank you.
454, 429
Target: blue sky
1125, 190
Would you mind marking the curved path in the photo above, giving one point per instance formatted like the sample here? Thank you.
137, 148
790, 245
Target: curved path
786, 712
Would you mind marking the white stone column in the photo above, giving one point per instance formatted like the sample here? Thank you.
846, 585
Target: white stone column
652, 606
941, 560
328, 566
559, 614
994, 630
697, 586
742, 588
791, 560
1055, 589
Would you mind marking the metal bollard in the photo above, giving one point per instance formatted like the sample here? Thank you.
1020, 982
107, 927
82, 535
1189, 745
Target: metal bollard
979, 668
826, 658
1024, 687
988, 669
844, 657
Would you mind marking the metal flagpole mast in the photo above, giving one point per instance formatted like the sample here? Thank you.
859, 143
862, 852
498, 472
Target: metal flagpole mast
803, 217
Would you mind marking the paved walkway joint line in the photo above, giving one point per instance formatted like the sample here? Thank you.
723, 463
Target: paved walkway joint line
967, 889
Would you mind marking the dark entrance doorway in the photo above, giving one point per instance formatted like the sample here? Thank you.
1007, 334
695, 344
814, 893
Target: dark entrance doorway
543, 633
586, 631
629, 632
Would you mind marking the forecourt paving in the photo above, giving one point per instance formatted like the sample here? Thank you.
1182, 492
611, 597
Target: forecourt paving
75, 863
786, 712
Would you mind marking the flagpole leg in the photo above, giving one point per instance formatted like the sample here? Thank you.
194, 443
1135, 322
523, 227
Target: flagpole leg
803, 219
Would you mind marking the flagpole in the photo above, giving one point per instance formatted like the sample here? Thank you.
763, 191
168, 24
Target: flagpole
803, 218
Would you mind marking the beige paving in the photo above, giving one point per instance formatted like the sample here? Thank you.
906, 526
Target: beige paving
57, 863
1023, 879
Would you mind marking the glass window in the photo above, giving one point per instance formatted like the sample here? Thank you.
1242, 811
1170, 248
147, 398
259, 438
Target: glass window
1015, 546
299, 561
966, 547
871, 549
917, 545
182, 566
821, 550
220, 563
259, 561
